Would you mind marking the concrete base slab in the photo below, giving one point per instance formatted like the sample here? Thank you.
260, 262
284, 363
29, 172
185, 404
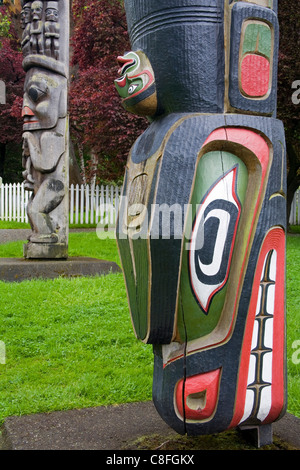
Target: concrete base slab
45, 251
20, 269
103, 428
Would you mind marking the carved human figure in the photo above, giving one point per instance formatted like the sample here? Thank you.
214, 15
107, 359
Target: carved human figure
44, 110
52, 30
25, 24
45, 128
36, 28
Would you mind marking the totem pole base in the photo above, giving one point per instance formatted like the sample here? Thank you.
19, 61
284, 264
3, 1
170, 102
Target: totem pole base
259, 436
45, 251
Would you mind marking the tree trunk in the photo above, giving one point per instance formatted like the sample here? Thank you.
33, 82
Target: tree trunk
82, 166
74, 170
93, 167
2, 158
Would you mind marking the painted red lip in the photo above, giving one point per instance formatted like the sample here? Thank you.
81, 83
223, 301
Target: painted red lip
28, 120
121, 81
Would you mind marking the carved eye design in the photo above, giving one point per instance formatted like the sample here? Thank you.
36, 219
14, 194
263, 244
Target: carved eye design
36, 93
131, 89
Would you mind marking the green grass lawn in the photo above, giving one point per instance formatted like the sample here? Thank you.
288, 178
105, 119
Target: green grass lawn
70, 344
293, 323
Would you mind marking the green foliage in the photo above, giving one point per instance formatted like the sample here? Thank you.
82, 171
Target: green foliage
4, 27
99, 125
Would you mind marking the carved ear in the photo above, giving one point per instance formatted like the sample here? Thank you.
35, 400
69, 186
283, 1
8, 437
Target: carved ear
62, 110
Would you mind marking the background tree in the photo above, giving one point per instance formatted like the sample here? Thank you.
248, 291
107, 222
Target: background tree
4, 25
101, 130
99, 124
289, 97
11, 72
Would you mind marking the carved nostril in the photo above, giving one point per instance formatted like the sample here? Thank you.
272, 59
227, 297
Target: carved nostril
26, 111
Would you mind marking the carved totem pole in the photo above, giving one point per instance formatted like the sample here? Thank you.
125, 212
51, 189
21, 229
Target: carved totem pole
201, 229
45, 45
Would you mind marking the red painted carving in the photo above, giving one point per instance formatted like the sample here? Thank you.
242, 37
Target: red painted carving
200, 395
255, 75
275, 240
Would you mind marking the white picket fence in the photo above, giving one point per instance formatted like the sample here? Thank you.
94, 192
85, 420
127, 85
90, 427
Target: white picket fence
13, 202
295, 209
88, 204
94, 204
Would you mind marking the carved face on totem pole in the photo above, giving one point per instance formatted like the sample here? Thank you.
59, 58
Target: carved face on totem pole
136, 84
52, 15
201, 229
26, 13
44, 100
36, 10
45, 139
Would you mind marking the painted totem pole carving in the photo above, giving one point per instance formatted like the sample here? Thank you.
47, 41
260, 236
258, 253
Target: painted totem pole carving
45, 137
201, 229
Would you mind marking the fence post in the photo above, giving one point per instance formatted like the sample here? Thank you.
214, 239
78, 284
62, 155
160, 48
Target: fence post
2, 202
18, 202
71, 203
87, 203
22, 196
9, 202
97, 204
76, 203
106, 203
92, 203
14, 200
26, 202
81, 203
117, 201
101, 204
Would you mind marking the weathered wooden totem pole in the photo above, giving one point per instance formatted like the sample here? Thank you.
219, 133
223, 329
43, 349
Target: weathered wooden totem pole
201, 229
45, 45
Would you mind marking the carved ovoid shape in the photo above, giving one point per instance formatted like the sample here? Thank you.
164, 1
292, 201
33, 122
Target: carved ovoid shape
256, 61
197, 396
217, 222
255, 75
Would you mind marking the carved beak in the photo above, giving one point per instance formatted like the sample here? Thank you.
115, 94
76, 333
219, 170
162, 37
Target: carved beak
124, 63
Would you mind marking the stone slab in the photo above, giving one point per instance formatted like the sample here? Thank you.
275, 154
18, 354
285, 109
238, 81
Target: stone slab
288, 429
44, 251
103, 428
20, 269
